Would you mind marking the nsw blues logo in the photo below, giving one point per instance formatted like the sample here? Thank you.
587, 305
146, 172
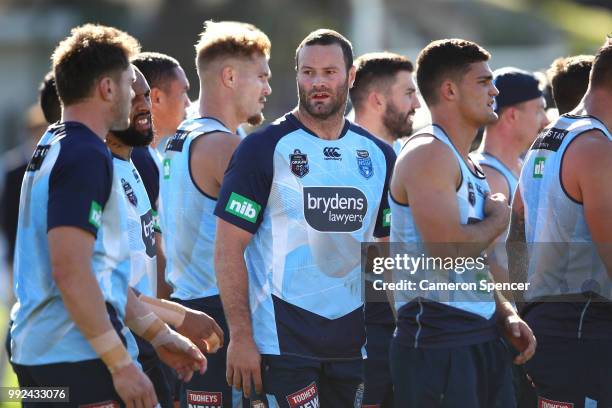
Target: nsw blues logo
364, 162
299, 163
129, 192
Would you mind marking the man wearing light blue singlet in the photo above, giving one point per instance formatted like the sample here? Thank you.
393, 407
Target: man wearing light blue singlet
299, 196
521, 111
446, 351
384, 98
562, 211
232, 61
169, 103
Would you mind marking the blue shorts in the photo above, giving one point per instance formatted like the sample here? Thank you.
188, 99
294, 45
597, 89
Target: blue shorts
475, 376
572, 372
378, 386
211, 389
295, 382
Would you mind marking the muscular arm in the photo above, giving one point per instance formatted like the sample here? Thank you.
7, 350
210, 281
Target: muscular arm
164, 290
209, 158
426, 177
586, 175
232, 277
516, 246
71, 249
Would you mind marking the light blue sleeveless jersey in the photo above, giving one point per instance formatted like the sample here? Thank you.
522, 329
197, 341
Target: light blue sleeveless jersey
470, 200
186, 216
561, 257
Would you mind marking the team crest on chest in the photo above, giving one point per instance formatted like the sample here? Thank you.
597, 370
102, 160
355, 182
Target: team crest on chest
299, 163
129, 192
364, 162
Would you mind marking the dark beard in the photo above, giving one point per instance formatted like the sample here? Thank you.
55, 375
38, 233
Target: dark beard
256, 120
338, 103
133, 138
396, 122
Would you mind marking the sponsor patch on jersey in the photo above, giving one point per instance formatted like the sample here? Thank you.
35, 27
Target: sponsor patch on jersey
38, 157
204, 399
147, 223
166, 169
103, 404
538, 167
332, 153
550, 139
177, 141
95, 214
386, 221
305, 398
334, 209
298, 162
242, 207
364, 163
129, 192
546, 403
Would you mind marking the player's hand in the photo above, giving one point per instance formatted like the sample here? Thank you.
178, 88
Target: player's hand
202, 330
518, 333
496, 205
134, 387
243, 365
180, 353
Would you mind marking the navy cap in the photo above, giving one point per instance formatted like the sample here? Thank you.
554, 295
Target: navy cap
515, 86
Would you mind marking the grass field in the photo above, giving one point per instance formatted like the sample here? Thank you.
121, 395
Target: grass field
9, 379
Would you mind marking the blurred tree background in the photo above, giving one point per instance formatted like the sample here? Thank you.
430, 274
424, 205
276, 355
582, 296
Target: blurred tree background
524, 33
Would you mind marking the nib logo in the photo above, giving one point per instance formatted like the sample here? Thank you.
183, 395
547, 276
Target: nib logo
538, 167
242, 207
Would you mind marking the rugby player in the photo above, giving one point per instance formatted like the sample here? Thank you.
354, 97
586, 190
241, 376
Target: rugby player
384, 98
299, 196
569, 78
72, 297
232, 63
446, 350
562, 211
169, 87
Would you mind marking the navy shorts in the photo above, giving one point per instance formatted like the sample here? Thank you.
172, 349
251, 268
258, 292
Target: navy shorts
156, 371
572, 373
378, 386
475, 376
89, 382
295, 382
211, 389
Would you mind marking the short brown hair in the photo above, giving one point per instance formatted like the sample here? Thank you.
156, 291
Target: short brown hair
443, 59
90, 52
569, 79
376, 70
324, 36
230, 38
157, 68
601, 72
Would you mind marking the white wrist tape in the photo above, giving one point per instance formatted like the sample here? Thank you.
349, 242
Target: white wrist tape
111, 350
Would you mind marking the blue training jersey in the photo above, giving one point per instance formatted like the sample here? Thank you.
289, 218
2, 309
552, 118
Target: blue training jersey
69, 182
310, 203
